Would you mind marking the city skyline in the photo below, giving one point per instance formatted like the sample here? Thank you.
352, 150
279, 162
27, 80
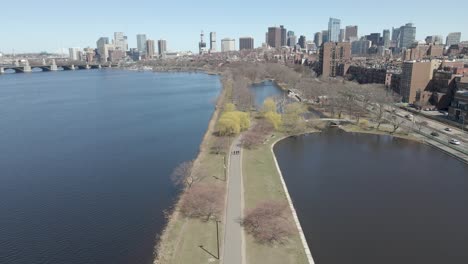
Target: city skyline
181, 28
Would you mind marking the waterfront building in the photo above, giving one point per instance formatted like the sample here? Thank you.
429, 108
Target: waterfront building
120, 41
212, 41
150, 48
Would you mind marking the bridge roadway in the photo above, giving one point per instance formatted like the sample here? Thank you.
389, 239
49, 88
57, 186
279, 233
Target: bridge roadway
54, 67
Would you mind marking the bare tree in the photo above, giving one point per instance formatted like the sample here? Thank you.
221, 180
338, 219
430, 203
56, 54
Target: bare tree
256, 135
268, 222
219, 145
421, 124
203, 201
396, 123
183, 174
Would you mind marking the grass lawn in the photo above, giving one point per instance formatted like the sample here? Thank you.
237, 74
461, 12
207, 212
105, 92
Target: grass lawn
262, 181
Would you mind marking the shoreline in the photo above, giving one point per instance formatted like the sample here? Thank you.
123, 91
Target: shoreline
203, 147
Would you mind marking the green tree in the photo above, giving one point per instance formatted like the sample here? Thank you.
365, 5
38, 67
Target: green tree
274, 119
269, 105
231, 123
229, 107
292, 118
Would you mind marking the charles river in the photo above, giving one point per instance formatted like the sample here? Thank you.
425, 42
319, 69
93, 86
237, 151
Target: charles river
85, 159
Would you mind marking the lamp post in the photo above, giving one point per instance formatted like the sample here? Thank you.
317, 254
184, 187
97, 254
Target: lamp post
217, 235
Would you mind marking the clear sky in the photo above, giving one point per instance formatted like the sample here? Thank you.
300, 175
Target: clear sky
48, 25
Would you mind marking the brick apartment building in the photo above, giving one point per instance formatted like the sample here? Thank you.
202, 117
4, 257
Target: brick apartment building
334, 58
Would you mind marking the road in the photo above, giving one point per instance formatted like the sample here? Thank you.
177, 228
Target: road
233, 252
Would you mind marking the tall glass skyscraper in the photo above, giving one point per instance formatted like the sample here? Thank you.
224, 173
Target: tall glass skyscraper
141, 43
334, 25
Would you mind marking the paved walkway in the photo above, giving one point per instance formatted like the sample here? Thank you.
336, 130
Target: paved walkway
233, 252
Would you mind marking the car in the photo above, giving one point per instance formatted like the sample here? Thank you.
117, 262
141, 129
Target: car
434, 134
448, 129
454, 141
409, 116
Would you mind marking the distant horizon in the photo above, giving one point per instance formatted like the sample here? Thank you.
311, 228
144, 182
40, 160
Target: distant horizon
53, 27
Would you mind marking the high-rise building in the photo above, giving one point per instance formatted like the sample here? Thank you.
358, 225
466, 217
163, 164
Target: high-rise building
415, 79
202, 44
396, 36
360, 47
283, 36
386, 38
434, 39
325, 36
334, 26
318, 39
291, 39
141, 43
162, 47
351, 33
374, 38
310, 46
453, 38
120, 41
302, 42
102, 50
333, 58
228, 44
274, 37
407, 35
246, 43
212, 41
342, 35
150, 48
74, 53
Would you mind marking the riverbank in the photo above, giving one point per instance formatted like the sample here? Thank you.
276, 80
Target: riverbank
181, 239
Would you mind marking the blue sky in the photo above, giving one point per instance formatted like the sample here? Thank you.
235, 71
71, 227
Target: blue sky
49, 25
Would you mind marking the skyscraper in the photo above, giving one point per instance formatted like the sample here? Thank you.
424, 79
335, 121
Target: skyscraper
453, 39
318, 39
74, 53
141, 43
274, 37
228, 44
246, 43
325, 36
342, 35
202, 44
302, 41
386, 38
351, 33
150, 48
162, 47
283, 36
334, 25
407, 35
212, 41
120, 41
396, 36
374, 38
291, 39
101, 45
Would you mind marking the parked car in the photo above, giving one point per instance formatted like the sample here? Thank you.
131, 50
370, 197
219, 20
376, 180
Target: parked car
454, 141
434, 134
409, 116
448, 129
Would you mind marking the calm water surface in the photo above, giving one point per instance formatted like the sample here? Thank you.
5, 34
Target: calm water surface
371, 199
85, 161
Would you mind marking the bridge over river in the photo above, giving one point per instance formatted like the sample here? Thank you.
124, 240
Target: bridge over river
65, 66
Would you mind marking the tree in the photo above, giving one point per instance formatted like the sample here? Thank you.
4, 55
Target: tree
421, 124
219, 145
269, 105
257, 134
203, 201
183, 174
274, 119
292, 118
396, 123
268, 222
229, 107
231, 123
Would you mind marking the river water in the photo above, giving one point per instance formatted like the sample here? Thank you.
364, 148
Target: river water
85, 159
376, 199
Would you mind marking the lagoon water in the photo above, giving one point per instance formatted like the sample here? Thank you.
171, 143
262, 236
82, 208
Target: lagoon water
85, 159
376, 199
